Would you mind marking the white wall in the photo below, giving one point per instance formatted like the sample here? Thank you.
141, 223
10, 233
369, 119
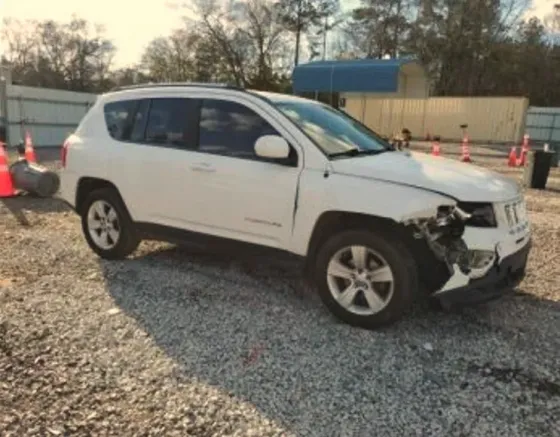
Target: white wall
489, 119
49, 115
543, 124
413, 85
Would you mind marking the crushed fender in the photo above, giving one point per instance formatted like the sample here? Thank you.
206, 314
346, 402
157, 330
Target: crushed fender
443, 232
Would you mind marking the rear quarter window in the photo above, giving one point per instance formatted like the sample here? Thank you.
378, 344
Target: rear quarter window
118, 116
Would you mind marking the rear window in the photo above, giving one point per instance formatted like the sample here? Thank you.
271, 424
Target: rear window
139, 121
118, 116
167, 122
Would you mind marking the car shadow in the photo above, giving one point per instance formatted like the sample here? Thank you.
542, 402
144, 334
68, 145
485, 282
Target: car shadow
253, 329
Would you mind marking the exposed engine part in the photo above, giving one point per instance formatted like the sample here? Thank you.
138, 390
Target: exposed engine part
458, 253
443, 234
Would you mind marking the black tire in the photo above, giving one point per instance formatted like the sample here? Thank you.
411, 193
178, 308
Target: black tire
128, 240
397, 257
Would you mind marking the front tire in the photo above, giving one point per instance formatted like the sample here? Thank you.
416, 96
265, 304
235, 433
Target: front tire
107, 226
365, 279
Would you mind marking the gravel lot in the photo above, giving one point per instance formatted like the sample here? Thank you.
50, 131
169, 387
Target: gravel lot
175, 342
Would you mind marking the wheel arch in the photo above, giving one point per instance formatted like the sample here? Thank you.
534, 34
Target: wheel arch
431, 271
86, 185
334, 221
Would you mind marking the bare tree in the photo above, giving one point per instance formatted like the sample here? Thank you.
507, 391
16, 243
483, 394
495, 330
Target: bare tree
300, 16
378, 27
470, 47
60, 55
172, 59
21, 47
247, 38
552, 24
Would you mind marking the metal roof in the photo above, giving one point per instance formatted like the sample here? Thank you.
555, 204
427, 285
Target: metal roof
358, 75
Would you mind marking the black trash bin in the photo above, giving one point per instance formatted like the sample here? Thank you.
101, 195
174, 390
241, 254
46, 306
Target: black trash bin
555, 149
537, 169
34, 178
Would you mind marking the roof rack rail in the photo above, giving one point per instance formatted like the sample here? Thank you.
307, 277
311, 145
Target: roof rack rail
179, 84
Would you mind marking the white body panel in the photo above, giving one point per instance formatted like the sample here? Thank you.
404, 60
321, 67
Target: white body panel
236, 198
468, 183
150, 177
318, 195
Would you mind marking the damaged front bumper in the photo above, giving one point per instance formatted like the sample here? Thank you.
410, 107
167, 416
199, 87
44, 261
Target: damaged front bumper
482, 262
501, 279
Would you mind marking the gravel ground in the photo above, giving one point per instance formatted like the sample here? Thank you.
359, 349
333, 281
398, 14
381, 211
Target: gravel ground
175, 342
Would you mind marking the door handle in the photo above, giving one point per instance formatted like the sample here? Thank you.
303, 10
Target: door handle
203, 167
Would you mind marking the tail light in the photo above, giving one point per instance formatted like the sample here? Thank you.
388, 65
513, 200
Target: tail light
64, 153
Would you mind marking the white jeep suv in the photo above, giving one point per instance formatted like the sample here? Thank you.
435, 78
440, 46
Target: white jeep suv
212, 163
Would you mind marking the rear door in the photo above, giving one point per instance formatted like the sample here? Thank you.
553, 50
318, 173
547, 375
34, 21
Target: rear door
151, 164
119, 119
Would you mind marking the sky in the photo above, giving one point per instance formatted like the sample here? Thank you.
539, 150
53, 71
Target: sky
131, 25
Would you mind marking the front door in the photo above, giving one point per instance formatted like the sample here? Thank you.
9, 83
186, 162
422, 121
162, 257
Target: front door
239, 195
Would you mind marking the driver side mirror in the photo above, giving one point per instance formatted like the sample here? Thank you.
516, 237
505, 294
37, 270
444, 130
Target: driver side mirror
272, 147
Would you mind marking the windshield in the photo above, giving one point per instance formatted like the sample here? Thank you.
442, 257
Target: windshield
335, 132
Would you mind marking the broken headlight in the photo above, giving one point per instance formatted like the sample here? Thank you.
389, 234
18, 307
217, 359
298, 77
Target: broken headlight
480, 259
482, 214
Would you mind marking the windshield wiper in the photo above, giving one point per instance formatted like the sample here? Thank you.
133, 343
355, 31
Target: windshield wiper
357, 152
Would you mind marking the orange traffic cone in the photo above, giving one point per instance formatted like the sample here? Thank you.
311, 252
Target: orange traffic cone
512, 159
435, 148
29, 152
6, 184
524, 151
465, 153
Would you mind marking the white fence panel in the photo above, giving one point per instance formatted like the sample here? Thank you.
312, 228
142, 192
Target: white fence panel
543, 124
490, 119
49, 115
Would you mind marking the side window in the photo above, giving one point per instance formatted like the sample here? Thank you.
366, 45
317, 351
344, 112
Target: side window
167, 122
140, 120
117, 117
231, 129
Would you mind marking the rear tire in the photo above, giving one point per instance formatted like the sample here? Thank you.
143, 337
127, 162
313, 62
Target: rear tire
107, 225
365, 279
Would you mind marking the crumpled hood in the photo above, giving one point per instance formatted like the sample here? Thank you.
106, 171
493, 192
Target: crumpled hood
463, 181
